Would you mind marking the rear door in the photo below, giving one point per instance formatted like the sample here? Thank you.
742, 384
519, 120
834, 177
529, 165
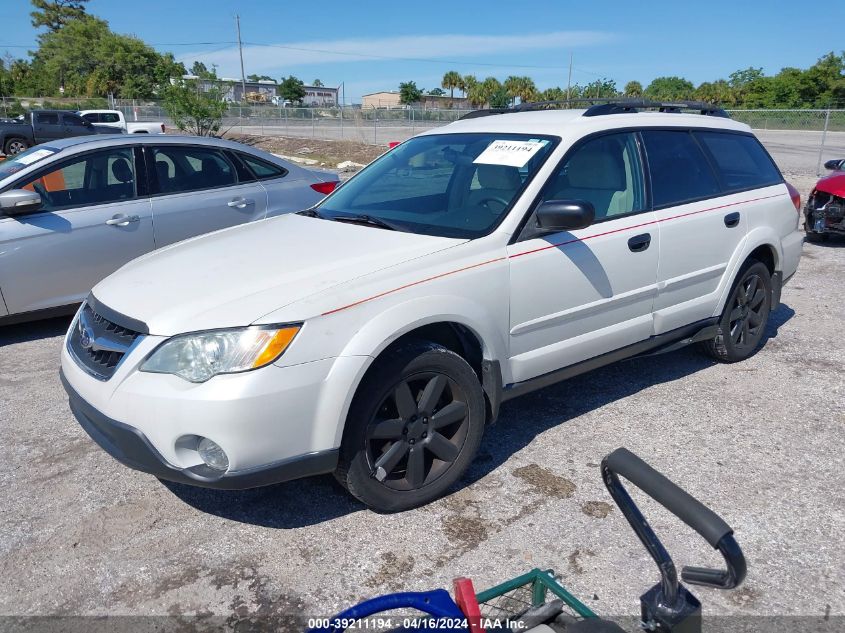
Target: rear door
75, 125
95, 217
700, 227
287, 190
46, 126
199, 189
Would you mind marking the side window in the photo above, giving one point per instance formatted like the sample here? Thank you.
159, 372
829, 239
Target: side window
679, 169
109, 117
73, 120
97, 178
181, 169
47, 118
262, 169
91, 117
741, 160
606, 171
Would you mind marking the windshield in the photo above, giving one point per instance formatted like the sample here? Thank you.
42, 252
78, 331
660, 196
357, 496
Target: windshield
14, 164
450, 185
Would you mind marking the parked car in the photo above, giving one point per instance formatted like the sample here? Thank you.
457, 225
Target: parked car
376, 335
114, 119
73, 211
42, 126
824, 213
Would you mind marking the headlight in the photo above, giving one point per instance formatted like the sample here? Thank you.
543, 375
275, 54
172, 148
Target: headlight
197, 357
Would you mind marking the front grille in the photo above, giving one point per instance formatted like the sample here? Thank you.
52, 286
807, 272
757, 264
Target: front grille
98, 345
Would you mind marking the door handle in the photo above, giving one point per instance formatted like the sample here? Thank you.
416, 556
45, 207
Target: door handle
732, 219
240, 203
122, 220
639, 243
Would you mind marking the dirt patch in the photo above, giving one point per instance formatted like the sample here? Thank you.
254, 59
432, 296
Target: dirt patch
465, 532
744, 597
391, 572
545, 482
596, 509
329, 153
575, 559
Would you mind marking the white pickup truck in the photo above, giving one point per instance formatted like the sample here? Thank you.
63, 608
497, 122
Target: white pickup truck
115, 119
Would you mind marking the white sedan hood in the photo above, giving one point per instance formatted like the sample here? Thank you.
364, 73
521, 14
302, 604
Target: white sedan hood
234, 277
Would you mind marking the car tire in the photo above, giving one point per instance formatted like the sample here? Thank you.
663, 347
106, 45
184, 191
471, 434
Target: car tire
15, 146
743, 321
414, 426
814, 237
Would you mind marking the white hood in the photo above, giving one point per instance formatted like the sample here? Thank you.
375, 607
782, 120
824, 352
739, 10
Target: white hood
234, 277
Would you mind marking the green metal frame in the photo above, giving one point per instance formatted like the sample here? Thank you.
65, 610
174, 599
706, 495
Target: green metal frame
542, 582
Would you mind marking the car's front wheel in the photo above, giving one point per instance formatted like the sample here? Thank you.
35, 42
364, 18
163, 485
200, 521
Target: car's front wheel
743, 321
413, 428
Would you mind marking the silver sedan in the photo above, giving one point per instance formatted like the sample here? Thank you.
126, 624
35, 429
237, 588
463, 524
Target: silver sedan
73, 211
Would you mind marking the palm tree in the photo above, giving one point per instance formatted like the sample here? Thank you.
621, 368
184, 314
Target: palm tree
467, 82
451, 80
633, 89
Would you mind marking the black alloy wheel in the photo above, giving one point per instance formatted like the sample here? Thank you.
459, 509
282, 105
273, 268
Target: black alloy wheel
413, 428
417, 432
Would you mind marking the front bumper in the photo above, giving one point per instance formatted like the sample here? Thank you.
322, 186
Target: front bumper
132, 448
828, 219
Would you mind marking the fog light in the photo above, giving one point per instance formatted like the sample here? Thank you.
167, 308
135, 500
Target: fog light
213, 456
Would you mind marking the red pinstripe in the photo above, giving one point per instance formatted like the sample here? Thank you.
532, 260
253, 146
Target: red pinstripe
544, 248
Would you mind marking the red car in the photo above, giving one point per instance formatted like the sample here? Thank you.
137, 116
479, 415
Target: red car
824, 212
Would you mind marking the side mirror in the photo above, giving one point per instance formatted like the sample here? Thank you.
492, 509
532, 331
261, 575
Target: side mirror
565, 215
19, 202
835, 164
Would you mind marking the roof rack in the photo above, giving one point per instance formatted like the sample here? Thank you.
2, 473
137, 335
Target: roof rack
600, 107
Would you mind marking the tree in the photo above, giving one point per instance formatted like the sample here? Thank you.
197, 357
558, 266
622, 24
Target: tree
633, 89
467, 82
437, 92
292, 89
199, 69
317, 83
521, 88
409, 93
257, 78
192, 110
553, 94
54, 14
601, 88
88, 59
669, 89
451, 80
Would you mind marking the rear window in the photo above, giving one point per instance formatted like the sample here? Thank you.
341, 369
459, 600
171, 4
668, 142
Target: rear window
741, 160
679, 169
262, 169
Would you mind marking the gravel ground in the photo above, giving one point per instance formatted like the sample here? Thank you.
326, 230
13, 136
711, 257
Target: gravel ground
760, 442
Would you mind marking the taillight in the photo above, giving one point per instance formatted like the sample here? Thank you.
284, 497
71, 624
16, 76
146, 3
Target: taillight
324, 188
796, 197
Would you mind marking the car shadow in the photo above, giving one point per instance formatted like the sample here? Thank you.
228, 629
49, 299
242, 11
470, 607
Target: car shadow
315, 500
34, 330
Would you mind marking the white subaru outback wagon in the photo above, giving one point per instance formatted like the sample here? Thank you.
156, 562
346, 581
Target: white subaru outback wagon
375, 335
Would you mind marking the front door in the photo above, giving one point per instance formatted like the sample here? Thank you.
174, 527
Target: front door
580, 294
92, 221
198, 190
46, 127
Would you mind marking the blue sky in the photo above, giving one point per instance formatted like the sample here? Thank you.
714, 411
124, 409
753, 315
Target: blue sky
360, 43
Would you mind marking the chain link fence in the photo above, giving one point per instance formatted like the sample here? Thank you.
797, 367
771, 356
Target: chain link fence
799, 140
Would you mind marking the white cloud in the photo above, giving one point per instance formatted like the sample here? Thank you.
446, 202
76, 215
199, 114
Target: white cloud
270, 59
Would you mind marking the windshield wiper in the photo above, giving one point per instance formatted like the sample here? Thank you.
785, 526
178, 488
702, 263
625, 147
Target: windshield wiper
366, 219
311, 213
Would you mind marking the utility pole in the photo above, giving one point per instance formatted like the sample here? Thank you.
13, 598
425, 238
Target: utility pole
241, 51
569, 81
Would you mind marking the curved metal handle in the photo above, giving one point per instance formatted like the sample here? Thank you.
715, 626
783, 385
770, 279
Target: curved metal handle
122, 220
437, 603
240, 203
687, 508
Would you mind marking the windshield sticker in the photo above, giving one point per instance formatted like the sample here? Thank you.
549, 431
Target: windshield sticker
512, 153
34, 156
